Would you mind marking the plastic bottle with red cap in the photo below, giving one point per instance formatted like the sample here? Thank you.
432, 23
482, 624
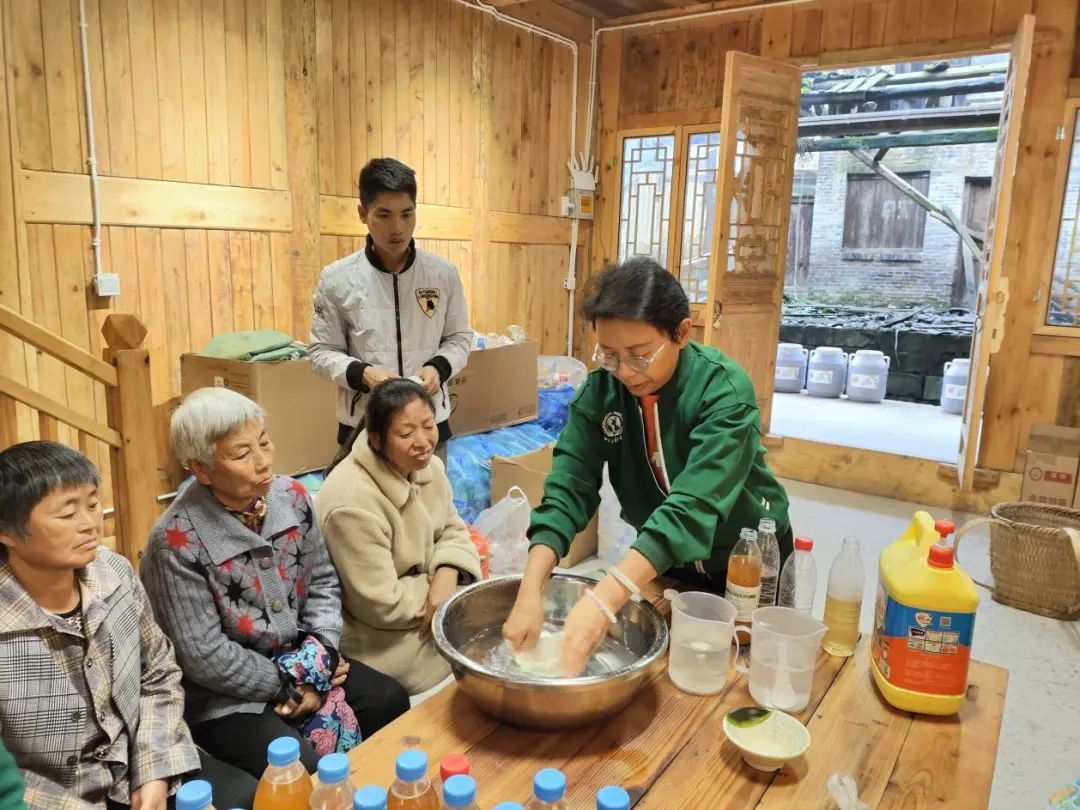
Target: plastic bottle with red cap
798, 579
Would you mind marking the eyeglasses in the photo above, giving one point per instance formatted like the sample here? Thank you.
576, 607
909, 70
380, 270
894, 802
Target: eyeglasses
610, 361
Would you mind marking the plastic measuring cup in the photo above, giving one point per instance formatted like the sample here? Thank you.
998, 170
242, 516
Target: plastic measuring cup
702, 627
783, 657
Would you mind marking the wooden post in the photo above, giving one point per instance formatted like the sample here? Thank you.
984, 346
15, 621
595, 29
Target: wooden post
131, 413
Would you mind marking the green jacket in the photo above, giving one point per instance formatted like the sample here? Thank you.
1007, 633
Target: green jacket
710, 433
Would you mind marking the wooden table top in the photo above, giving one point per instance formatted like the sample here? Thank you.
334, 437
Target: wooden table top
668, 748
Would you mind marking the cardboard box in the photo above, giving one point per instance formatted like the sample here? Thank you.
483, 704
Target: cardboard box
1053, 458
497, 388
529, 472
299, 405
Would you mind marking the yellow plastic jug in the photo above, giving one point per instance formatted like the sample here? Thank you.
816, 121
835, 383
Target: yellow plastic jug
923, 621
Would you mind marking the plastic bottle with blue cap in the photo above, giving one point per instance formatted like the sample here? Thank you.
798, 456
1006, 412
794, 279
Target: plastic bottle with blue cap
549, 791
370, 797
412, 789
195, 795
285, 784
459, 793
335, 791
612, 797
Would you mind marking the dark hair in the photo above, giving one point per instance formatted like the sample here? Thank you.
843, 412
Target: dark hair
386, 175
383, 405
30, 472
638, 289
386, 402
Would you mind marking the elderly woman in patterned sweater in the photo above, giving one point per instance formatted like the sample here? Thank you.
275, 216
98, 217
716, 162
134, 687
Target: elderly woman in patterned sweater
242, 583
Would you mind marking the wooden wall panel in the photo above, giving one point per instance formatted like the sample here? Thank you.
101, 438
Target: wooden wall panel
225, 128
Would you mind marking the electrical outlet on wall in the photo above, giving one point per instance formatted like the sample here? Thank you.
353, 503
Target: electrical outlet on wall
107, 285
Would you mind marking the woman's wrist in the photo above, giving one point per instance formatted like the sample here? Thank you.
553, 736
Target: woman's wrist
612, 593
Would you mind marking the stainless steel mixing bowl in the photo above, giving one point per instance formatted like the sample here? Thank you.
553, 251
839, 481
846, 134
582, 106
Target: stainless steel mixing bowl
466, 630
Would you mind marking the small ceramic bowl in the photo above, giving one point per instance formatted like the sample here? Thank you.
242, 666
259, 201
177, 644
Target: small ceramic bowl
767, 739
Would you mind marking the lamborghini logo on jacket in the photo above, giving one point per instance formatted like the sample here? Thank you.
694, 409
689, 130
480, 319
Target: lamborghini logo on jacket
428, 298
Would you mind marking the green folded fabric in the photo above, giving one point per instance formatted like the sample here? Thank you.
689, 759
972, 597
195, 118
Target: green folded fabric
293, 352
245, 345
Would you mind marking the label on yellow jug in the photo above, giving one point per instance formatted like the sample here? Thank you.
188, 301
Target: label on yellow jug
921, 650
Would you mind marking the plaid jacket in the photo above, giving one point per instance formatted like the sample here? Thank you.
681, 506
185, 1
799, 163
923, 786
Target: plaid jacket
44, 716
229, 598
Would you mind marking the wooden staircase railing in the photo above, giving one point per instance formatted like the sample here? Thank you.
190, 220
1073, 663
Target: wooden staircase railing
128, 430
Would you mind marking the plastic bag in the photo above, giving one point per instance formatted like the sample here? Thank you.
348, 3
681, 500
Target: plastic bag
553, 371
505, 525
614, 535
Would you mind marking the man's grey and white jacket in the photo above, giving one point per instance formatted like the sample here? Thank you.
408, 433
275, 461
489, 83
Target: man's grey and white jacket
364, 315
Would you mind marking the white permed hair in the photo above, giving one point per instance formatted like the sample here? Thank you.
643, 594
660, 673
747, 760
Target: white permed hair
205, 416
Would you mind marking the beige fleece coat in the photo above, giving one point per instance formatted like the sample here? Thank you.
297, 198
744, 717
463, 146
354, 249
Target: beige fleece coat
386, 535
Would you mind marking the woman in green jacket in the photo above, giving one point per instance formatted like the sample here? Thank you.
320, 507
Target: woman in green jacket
678, 425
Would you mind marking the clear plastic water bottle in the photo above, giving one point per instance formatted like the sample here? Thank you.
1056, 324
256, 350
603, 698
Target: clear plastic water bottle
843, 602
372, 797
549, 791
459, 793
195, 795
508, 806
612, 797
335, 791
770, 561
798, 580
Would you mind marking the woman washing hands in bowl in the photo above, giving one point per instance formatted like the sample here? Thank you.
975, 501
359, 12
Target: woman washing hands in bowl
397, 542
678, 425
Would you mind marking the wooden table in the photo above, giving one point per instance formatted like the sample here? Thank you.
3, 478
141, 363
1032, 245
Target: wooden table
668, 748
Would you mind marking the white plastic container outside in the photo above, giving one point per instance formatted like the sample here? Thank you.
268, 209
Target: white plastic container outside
826, 372
867, 376
791, 362
954, 385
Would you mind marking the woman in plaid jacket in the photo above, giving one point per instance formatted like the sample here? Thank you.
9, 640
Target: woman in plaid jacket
90, 700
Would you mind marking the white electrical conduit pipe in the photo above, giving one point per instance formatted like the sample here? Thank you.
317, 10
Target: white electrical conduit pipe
571, 274
91, 146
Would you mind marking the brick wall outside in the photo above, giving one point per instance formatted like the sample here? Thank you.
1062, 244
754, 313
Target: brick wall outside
928, 279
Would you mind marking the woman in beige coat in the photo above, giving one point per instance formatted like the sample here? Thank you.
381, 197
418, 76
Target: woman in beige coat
388, 517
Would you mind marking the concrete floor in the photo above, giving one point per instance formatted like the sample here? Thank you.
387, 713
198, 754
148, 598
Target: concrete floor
906, 428
1037, 753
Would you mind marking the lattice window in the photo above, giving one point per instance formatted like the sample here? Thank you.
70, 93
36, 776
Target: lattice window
699, 213
645, 213
1064, 308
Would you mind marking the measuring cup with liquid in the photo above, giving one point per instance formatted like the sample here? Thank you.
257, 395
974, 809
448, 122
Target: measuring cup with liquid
702, 627
783, 657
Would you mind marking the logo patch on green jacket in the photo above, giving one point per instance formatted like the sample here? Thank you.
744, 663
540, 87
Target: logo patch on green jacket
612, 427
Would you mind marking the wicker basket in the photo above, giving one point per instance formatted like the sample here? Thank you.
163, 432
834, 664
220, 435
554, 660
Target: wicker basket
1035, 558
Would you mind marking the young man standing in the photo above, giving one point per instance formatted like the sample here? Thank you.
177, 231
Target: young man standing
91, 705
389, 310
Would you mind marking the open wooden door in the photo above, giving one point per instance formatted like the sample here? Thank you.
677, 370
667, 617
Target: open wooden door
759, 127
993, 294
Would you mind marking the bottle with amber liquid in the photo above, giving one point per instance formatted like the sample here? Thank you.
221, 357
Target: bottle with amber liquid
744, 580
